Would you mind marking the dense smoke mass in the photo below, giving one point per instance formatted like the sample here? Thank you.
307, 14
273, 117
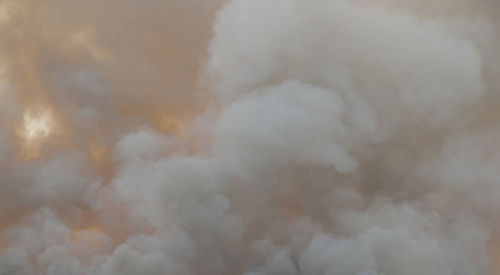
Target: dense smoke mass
253, 137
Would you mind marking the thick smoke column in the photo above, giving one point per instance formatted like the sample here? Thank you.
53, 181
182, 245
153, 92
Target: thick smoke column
255, 137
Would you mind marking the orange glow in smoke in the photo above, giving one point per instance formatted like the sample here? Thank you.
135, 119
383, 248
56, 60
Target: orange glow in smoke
82, 39
170, 124
90, 235
98, 153
6, 10
494, 250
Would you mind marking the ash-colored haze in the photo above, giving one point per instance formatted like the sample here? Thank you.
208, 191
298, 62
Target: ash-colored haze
253, 137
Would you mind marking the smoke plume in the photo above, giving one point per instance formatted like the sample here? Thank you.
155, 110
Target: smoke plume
253, 137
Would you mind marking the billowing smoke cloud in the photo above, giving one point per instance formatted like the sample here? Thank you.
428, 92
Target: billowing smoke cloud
255, 137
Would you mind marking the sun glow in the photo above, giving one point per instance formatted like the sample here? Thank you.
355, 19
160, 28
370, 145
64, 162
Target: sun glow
37, 126
35, 129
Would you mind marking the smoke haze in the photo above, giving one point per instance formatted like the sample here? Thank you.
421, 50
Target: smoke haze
254, 137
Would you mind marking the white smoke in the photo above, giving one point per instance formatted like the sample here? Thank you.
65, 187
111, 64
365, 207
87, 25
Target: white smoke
249, 137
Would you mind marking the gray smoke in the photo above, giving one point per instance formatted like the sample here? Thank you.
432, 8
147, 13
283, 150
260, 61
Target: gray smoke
255, 137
